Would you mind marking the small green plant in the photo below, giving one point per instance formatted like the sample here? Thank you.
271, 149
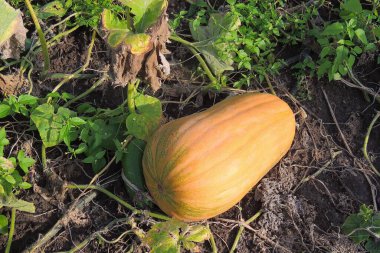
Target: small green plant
341, 42
173, 235
364, 228
11, 183
245, 36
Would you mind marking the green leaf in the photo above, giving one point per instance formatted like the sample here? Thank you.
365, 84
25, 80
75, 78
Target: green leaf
351, 61
355, 223
3, 224
8, 21
360, 33
24, 162
145, 121
49, 124
10, 179
12, 32
24, 185
333, 29
341, 55
370, 47
198, 233
81, 149
115, 38
6, 164
19, 204
76, 121
138, 43
323, 68
353, 6
325, 51
208, 40
132, 167
116, 27
5, 110
3, 140
52, 9
372, 246
164, 236
26, 99
147, 12
358, 50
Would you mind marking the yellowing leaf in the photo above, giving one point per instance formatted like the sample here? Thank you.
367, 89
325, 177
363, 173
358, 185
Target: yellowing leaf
111, 22
139, 43
12, 32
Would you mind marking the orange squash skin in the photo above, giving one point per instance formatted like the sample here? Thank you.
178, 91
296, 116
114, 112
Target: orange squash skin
201, 165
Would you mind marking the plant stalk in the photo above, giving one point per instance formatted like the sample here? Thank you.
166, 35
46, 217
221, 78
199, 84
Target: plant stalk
131, 96
41, 37
212, 241
366, 139
118, 199
11, 231
88, 91
83, 68
193, 50
241, 229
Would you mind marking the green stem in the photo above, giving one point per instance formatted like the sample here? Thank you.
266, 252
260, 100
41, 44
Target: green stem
212, 241
130, 96
88, 91
7, 65
118, 199
366, 139
193, 50
41, 36
43, 157
241, 229
83, 68
62, 34
63, 75
11, 230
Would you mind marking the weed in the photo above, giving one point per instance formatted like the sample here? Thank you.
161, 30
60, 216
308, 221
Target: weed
341, 42
364, 227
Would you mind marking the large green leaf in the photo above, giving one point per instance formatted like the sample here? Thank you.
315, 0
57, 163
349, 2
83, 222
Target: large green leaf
12, 31
145, 121
52, 9
354, 226
132, 167
169, 236
147, 12
8, 21
3, 224
49, 123
209, 42
19, 204
116, 27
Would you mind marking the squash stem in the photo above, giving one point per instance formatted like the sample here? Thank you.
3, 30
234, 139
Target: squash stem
241, 229
366, 139
82, 69
43, 157
11, 230
193, 50
212, 241
88, 91
131, 96
41, 37
118, 199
